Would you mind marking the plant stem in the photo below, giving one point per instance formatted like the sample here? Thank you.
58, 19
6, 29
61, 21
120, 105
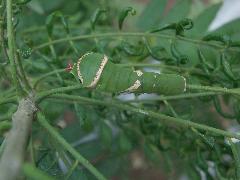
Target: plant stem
43, 122
44, 94
175, 97
33, 173
16, 142
47, 75
22, 72
11, 46
135, 34
214, 89
163, 118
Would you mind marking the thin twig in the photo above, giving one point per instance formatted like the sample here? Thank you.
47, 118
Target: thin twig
162, 117
135, 34
235, 91
45, 94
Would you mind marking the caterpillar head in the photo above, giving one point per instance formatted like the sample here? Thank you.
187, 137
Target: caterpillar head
88, 68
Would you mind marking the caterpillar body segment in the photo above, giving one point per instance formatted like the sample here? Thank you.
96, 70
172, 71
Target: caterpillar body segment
94, 70
165, 84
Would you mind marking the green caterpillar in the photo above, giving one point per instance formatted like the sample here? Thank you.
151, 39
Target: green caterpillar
94, 70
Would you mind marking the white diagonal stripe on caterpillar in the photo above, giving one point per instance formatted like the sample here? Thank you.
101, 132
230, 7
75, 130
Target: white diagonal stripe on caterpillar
78, 66
99, 72
134, 87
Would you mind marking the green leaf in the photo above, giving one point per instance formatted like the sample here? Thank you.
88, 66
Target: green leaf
175, 16
106, 134
124, 143
150, 152
227, 68
36, 6
81, 114
22, 2
152, 14
235, 146
45, 6
207, 66
193, 173
229, 29
178, 12
203, 20
207, 139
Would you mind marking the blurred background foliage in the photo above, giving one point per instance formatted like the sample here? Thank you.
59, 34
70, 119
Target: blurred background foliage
122, 144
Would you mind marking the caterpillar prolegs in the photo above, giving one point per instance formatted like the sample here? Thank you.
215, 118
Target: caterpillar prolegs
94, 70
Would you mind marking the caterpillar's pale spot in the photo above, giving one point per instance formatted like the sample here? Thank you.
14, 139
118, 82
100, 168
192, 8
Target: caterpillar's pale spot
134, 87
99, 72
154, 85
78, 66
139, 72
155, 76
185, 84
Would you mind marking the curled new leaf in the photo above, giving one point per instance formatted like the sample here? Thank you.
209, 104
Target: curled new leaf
50, 22
186, 24
158, 53
227, 68
207, 67
124, 13
116, 55
180, 59
95, 17
132, 49
180, 27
